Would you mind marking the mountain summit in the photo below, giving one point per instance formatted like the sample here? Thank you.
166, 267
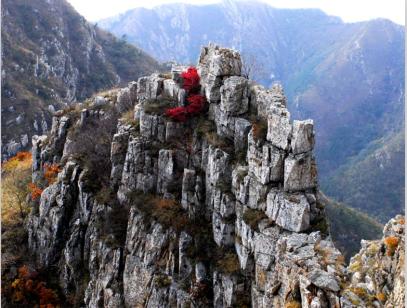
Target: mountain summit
348, 77
220, 209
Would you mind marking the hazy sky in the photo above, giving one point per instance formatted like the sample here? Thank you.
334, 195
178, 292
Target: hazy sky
348, 10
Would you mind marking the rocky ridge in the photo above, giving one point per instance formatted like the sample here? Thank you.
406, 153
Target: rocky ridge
347, 77
222, 210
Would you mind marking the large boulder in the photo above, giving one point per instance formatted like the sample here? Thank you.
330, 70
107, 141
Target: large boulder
302, 136
214, 64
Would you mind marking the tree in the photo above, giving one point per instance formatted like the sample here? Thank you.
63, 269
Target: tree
16, 176
252, 68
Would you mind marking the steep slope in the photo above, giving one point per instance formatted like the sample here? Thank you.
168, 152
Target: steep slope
213, 211
349, 226
373, 178
348, 77
52, 57
378, 271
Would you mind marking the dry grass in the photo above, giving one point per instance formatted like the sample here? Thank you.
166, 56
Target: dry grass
207, 129
229, 263
261, 277
128, 118
292, 304
381, 297
159, 105
259, 130
252, 217
167, 212
356, 265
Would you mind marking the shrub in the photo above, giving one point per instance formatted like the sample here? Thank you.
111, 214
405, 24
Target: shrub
207, 129
196, 101
128, 118
205, 126
190, 80
292, 304
360, 292
166, 75
28, 289
106, 195
162, 281
159, 105
391, 243
16, 176
91, 145
51, 172
113, 223
228, 263
252, 217
35, 191
381, 297
200, 290
355, 266
167, 212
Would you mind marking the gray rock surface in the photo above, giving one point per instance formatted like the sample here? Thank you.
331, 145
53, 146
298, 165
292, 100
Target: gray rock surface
208, 219
302, 136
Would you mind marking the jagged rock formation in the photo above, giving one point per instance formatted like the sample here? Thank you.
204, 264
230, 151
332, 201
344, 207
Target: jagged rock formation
222, 210
308, 51
377, 271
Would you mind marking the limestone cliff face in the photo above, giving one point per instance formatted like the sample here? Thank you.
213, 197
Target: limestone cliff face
221, 211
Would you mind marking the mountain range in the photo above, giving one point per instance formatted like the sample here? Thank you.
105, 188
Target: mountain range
52, 57
348, 77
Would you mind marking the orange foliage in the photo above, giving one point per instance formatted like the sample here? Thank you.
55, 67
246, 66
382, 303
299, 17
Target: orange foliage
50, 172
35, 191
20, 160
164, 203
28, 289
381, 297
391, 243
21, 156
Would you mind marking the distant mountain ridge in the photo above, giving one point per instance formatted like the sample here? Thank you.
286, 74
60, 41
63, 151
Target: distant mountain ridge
52, 56
348, 77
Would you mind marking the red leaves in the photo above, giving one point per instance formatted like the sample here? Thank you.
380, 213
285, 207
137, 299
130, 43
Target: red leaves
177, 113
196, 101
28, 290
191, 79
196, 104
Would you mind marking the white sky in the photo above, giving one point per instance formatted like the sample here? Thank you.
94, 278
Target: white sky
348, 10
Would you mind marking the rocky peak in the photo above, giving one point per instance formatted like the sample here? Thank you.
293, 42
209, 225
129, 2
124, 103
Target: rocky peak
222, 210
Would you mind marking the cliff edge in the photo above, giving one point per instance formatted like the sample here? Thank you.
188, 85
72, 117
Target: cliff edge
222, 210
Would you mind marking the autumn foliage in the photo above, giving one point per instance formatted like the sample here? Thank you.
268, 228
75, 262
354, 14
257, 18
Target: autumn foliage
20, 160
50, 172
28, 289
190, 80
391, 243
35, 191
16, 175
196, 102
